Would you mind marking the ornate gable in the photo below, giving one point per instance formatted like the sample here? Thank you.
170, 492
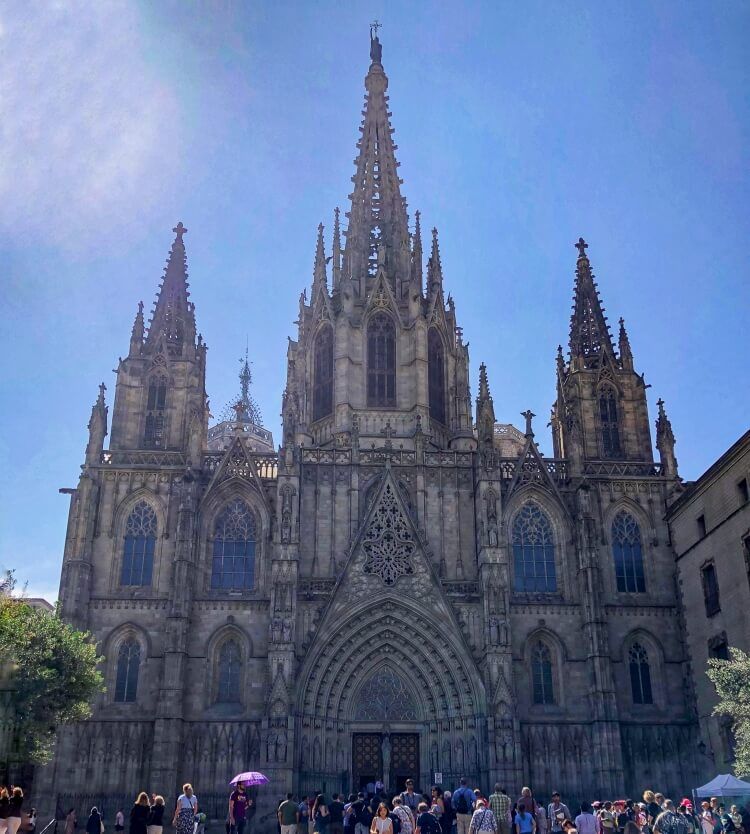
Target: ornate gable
381, 295
237, 464
531, 469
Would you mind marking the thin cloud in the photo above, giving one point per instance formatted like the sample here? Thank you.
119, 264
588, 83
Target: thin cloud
89, 132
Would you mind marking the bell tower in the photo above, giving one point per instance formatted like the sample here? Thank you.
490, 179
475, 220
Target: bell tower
378, 354
601, 412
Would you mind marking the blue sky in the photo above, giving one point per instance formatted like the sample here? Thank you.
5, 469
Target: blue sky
520, 127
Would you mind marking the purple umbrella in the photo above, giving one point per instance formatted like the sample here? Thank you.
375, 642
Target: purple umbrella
250, 777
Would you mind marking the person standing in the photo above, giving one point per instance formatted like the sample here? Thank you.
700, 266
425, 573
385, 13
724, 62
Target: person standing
586, 822
336, 815
288, 815
410, 798
94, 822
139, 814
557, 813
71, 821
155, 822
463, 804
483, 820
238, 809
500, 804
185, 811
320, 815
15, 803
524, 821
4, 807
381, 822
426, 822
31, 824
119, 821
404, 814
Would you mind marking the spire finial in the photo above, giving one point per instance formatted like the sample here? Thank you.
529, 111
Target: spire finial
434, 267
529, 415
581, 246
665, 442
100, 398
179, 230
626, 354
376, 49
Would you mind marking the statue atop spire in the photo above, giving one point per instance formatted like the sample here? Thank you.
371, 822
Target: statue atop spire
376, 49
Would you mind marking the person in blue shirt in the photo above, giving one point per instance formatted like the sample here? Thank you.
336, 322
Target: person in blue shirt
463, 804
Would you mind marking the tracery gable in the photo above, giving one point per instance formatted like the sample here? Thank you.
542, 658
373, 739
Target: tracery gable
436, 312
381, 297
532, 470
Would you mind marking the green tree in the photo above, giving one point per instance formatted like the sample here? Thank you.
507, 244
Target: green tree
50, 672
732, 681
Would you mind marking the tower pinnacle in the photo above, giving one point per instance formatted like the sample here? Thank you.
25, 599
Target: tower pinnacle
589, 333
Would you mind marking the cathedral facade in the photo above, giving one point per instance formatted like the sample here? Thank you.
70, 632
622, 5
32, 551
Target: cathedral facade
406, 587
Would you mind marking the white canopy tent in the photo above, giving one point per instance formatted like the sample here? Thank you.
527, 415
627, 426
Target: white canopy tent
723, 785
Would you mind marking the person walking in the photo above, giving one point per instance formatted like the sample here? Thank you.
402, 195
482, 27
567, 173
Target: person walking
410, 798
94, 822
4, 808
585, 822
426, 822
320, 815
15, 803
139, 814
31, 823
238, 809
483, 820
185, 810
404, 814
336, 815
463, 804
500, 804
71, 821
381, 822
119, 821
557, 813
288, 814
155, 821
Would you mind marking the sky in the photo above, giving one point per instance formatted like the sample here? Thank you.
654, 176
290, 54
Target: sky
520, 126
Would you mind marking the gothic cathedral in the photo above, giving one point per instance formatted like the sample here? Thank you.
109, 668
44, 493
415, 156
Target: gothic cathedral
405, 587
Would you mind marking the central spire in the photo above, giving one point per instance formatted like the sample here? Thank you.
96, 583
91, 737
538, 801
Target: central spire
378, 223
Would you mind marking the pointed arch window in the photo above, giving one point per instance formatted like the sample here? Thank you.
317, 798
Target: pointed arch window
436, 375
609, 420
156, 407
229, 673
640, 675
543, 691
138, 547
381, 361
628, 554
533, 551
128, 667
233, 562
323, 373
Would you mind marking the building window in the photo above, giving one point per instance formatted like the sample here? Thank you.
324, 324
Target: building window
323, 373
628, 554
640, 675
381, 362
609, 421
533, 551
233, 564
128, 665
230, 669
138, 549
742, 491
710, 589
156, 406
436, 375
701, 522
541, 674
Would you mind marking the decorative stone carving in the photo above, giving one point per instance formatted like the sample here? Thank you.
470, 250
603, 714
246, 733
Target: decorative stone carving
388, 542
385, 697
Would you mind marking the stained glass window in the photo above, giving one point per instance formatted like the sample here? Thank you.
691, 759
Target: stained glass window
541, 674
609, 420
138, 549
628, 554
230, 668
640, 675
385, 697
128, 664
533, 551
381, 361
233, 565
436, 375
156, 405
323, 374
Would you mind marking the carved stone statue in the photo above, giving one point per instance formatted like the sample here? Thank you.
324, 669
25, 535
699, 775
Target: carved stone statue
385, 749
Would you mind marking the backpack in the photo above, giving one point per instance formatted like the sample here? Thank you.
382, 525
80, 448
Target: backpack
462, 806
395, 822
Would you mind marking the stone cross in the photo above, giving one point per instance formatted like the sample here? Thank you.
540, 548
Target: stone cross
581, 246
179, 230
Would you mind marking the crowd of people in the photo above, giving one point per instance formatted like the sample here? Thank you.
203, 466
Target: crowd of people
470, 811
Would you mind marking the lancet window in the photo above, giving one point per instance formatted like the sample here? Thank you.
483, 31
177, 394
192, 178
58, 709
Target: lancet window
533, 551
128, 666
156, 406
628, 554
381, 361
233, 561
139, 545
609, 420
229, 673
323, 373
436, 375
543, 691
640, 675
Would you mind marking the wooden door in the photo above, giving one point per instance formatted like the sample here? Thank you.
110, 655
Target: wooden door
404, 761
367, 759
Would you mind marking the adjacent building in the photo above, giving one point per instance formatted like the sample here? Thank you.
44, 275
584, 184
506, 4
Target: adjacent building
710, 527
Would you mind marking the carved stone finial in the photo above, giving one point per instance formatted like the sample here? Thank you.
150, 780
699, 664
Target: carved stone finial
179, 230
581, 246
376, 49
529, 415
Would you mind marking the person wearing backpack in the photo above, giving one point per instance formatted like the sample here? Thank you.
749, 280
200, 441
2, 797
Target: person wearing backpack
669, 822
426, 822
463, 804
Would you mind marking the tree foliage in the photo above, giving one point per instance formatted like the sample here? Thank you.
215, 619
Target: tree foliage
732, 681
50, 670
